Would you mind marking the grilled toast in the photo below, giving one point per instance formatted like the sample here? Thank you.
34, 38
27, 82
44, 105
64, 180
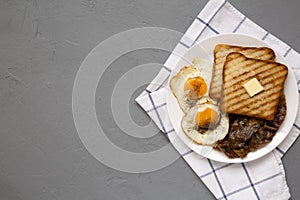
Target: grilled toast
220, 53
238, 70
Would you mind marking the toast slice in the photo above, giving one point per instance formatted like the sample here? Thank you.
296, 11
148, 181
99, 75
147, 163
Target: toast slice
220, 53
238, 70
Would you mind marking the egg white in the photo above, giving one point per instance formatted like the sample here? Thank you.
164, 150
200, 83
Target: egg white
200, 68
204, 136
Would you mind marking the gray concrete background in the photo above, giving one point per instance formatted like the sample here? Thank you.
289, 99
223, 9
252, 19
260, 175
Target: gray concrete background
42, 44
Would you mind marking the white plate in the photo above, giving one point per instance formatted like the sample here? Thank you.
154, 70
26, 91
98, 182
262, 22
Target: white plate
175, 113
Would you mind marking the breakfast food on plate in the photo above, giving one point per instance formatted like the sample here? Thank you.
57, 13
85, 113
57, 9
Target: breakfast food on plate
204, 123
247, 134
188, 86
269, 77
240, 107
254, 98
220, 53
191, 83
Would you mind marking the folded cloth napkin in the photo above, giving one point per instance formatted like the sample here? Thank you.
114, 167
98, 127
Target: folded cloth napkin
263, 178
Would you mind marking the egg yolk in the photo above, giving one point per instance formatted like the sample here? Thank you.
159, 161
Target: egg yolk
208, 118
195, 87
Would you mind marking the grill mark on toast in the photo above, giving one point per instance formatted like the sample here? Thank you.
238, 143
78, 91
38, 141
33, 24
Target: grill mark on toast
270, 77
244, 77
256, 100
264, 77
261, 73
220, 53
241, 92
258, 54
235, 98
255, 109
236, 90
262, 55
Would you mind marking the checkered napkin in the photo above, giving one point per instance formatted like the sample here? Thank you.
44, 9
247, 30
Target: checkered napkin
263, 178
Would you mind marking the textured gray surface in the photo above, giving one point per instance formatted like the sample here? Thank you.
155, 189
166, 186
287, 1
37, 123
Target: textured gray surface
42, 44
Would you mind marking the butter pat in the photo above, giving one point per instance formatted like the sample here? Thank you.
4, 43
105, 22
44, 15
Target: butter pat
253, 87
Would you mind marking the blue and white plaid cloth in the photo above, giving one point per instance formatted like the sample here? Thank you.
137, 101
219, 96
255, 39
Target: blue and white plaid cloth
263, 178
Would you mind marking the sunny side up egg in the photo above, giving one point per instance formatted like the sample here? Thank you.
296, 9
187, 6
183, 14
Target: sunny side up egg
204, 123
191, 83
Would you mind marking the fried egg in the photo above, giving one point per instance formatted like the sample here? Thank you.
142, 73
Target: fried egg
204, 123
191, 83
